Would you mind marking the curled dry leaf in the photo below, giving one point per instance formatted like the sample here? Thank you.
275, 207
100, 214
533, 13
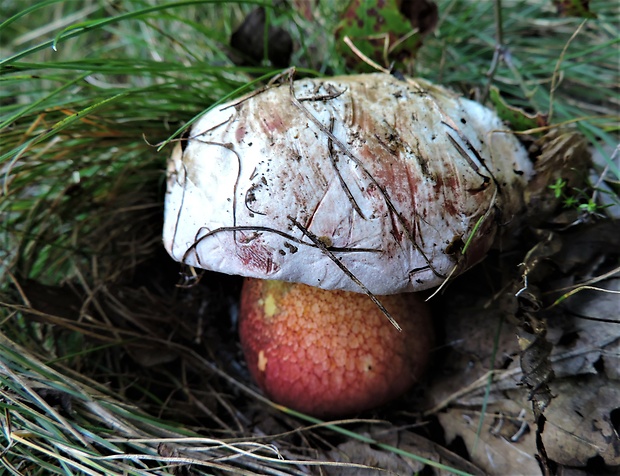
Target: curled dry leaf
535, 363
560, 154
393, 176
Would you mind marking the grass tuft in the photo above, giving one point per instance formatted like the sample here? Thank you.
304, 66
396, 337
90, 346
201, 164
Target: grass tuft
106, 367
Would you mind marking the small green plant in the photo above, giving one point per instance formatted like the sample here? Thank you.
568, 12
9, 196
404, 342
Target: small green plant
577, 198
105, 367
558, 187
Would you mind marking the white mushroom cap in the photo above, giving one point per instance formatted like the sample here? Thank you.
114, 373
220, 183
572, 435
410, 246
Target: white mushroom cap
388, 178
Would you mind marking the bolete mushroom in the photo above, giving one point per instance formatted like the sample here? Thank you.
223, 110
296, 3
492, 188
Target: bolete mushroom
365, 184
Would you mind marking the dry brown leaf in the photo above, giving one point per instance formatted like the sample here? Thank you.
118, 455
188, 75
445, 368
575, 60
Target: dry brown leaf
594, 344
470, 332
358, 452
585, 359
585, 248
492, 450
579, 423
363, 453
563, 154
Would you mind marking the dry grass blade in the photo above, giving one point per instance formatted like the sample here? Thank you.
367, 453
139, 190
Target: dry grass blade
106, 365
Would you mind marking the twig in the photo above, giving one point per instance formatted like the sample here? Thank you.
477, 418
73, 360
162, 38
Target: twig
498, 53
554, 77
319, 244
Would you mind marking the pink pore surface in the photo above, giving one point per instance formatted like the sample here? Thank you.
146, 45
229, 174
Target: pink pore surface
331, 353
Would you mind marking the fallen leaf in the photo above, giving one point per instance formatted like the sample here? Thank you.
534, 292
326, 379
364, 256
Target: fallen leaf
579, 424
583, 337
561, 154
518, 119
586, 247
353, 451
535, 362
491, 450
379, 461
594, 344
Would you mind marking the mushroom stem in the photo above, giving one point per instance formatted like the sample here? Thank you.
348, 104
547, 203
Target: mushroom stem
331, 353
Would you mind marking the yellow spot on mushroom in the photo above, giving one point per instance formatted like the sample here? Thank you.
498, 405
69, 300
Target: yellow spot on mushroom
262, 361
325, 241
270, 306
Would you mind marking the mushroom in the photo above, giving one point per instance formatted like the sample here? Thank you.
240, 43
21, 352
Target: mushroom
362, 184
332, 353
